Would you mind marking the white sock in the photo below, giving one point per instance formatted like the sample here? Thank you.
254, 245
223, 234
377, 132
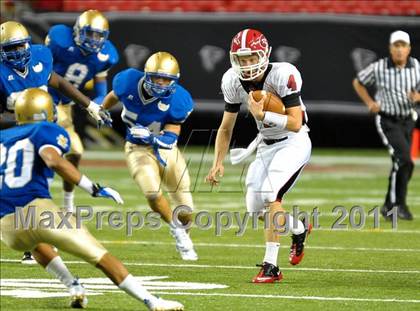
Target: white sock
135, 289
57, 268
172, 225
69, 201
271, 252
299, 229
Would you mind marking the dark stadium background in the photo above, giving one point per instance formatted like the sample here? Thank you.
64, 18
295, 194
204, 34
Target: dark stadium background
328, 41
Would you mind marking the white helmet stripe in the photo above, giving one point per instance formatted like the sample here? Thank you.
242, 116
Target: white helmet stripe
243, 38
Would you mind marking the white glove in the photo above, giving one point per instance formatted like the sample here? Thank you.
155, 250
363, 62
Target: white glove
140, 132
100, 115
106, 192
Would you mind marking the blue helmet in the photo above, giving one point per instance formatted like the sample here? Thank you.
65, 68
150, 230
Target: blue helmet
15, 45
161, 65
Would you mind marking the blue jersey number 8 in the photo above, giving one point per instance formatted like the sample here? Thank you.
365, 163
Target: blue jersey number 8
76, 73
8, 159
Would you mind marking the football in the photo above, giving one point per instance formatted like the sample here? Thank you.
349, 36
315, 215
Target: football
272, 103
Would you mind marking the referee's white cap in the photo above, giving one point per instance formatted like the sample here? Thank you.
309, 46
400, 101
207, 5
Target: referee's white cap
399, 35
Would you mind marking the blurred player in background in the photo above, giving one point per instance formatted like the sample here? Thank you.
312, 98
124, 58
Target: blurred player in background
397, 82
154, 108
283, 145
25, 65
24, 189
79, 55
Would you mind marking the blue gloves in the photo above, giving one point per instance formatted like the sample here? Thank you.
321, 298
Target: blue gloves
165, 141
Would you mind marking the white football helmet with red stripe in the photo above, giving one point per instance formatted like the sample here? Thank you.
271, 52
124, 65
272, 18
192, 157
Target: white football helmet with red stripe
249, 42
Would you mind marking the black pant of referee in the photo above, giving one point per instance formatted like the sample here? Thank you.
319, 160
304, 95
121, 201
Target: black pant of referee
396, 134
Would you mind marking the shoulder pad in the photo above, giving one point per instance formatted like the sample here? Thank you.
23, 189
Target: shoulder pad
60, 36
182, 105
109, 49
125, 79
41, 53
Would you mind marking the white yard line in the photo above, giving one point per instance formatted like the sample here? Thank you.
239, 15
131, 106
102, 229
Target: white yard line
7, 260
319, 298
231, 245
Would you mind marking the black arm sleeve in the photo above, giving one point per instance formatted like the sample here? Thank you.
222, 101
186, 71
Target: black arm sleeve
232, 107
291, 100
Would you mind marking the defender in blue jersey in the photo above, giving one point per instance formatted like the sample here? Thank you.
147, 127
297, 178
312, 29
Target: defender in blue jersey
29, 152
80, 55
154, 107
24, 65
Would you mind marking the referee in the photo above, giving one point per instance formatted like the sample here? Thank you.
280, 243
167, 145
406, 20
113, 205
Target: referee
397, 82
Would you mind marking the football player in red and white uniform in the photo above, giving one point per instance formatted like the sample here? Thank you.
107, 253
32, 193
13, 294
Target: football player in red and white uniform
283, 145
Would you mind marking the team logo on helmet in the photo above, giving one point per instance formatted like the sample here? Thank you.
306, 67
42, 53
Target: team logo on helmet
249, 42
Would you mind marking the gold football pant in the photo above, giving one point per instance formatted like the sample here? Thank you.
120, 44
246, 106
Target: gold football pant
65, 119
151, 177
78, 242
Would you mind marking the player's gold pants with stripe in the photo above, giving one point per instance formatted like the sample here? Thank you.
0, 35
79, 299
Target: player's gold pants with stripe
65, 119
151, 176
78, 242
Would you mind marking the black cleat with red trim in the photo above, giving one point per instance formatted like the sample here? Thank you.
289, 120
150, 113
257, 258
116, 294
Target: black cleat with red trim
298, 245
269, 273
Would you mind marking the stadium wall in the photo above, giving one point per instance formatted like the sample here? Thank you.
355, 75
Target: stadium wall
327, 49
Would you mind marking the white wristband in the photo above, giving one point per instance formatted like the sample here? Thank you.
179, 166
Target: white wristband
86, 184
275, 119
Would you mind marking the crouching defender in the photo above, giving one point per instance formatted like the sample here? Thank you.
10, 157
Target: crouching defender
154, 107
29, 154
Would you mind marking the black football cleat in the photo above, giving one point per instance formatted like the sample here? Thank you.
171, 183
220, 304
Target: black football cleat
404, 213
298, 245
269, 273
384, 212
28, 259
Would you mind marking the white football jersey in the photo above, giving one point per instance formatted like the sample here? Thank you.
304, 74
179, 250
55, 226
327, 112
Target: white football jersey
281, 79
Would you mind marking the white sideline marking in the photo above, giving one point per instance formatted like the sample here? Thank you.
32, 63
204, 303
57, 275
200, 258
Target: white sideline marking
293, 297
6, 260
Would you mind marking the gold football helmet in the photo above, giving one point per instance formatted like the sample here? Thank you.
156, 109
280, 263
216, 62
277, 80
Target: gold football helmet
14, 45
91, 31
164, 66
34, 105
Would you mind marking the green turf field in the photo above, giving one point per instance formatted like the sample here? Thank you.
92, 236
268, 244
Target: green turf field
350, 269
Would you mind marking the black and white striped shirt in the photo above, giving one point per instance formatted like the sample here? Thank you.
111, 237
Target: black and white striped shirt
392, 84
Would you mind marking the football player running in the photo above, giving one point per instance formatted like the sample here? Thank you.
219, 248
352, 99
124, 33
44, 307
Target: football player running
283, 145
24, 191
25, 65
79, 55
154, 107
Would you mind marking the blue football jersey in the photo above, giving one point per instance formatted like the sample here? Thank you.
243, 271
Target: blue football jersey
37, 74
23, 174
153, 113
72, 63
